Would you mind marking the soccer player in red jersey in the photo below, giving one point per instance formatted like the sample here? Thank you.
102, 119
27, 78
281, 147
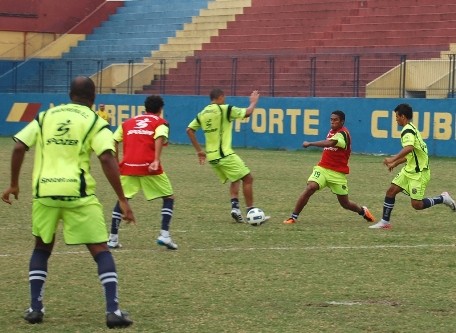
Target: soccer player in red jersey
332, 169
143, 138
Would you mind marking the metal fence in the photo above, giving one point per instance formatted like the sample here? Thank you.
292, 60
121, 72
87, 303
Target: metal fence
275, 75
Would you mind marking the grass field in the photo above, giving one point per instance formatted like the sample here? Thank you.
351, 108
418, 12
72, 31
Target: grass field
327, 273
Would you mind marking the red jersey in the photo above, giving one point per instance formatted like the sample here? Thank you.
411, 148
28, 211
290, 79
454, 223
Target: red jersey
139, 145
336, 158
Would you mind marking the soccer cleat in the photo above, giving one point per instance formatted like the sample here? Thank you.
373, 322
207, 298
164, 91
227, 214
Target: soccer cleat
448, 201
290, 221
114, 320
112, 244
166, 241
381, 225
34, 316
368, 215
237, 215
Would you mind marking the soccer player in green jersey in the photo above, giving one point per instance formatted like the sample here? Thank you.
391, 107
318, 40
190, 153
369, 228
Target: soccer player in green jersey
415, 175
216, 121
63, 189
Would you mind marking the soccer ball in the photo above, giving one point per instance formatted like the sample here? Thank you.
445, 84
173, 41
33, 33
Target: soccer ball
255, 217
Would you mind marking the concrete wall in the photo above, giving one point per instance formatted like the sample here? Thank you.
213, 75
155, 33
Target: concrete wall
53, 16
29, 26
277, 123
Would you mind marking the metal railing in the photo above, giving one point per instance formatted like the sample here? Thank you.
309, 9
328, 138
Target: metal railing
275, 75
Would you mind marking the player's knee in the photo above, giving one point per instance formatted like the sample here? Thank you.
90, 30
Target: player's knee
248, 179
417, 204
312, 186
391, 193
310, 190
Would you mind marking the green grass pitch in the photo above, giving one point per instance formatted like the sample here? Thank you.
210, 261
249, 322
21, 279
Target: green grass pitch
327, 273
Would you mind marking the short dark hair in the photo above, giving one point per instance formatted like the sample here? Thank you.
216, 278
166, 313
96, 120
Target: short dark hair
404, 110
216, 93
340, 114
153, 104
82, 87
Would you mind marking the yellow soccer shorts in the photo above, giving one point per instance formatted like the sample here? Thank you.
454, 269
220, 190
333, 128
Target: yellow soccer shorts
413, 184
335, 181
82, 219
231, 168
153, 187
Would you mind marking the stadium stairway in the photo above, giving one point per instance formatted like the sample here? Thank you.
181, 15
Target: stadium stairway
285, 36
184, 44
238, 45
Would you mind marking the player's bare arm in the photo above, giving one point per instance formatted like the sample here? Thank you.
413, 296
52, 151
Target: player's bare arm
111, 171
116, 152
254, 96
321, 144
399, 158
17, 159
199, 151
127, 213
158, 149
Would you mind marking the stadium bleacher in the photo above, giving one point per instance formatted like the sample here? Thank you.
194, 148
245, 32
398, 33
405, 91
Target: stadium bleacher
286, 36
136, 30
284, 48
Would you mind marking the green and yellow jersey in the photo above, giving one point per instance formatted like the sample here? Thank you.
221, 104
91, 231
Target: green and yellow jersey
216, 122
64, 137
418, 159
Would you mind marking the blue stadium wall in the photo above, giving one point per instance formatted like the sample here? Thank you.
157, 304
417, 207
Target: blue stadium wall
277, 123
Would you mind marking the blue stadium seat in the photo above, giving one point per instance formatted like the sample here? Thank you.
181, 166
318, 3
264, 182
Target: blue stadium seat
129, 35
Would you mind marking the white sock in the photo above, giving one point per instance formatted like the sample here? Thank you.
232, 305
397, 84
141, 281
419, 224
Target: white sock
164, 233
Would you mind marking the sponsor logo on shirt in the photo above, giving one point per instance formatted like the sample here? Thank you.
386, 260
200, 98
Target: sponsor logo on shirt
140, 124
58, 180
208, 127
62, 129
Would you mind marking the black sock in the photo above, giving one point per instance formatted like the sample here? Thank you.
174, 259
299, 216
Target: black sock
167, 213
388, 206
37, 277
108, 278
429, 202
235, 203
116, 219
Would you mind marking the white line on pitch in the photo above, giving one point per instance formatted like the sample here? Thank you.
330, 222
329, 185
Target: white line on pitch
344, 303
305, 248
311, 248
